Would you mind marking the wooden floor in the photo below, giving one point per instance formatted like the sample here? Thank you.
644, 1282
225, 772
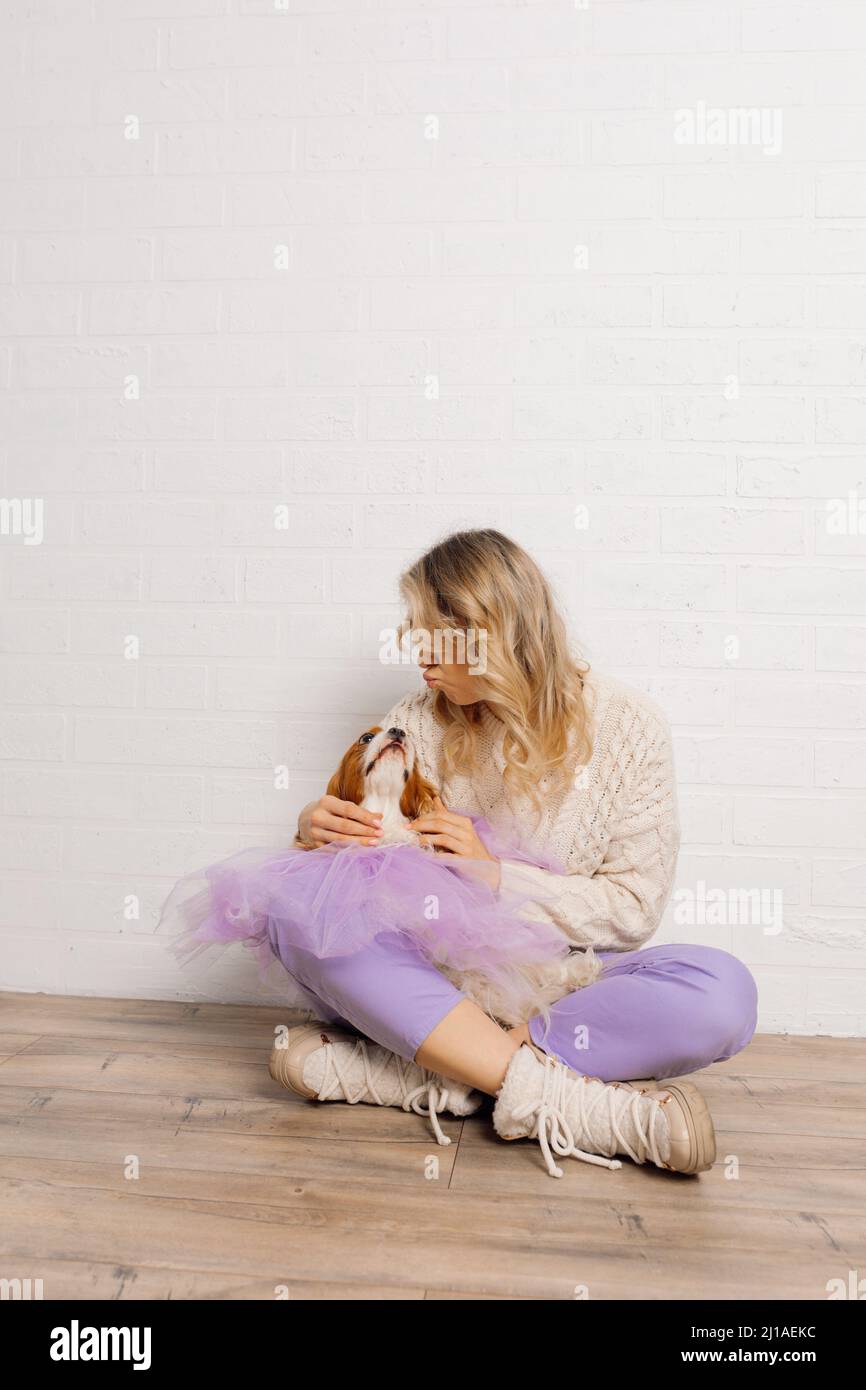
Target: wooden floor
243, 1189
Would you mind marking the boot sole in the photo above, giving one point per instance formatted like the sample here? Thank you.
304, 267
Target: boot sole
699, 1125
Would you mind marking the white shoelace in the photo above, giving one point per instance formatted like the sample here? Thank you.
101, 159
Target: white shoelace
553, 1130
412, 1096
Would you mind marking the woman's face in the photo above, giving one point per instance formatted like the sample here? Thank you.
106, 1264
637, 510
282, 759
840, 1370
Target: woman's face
439, 654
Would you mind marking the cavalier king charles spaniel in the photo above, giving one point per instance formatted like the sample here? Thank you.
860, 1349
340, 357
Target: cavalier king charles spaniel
380, 774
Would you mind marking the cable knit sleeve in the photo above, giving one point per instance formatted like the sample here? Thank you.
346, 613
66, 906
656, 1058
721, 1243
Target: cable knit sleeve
620, 905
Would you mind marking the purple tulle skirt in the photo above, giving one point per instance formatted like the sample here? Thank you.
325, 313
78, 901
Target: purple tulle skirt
333, 900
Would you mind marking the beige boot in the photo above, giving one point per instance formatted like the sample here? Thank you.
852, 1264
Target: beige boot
324, 1063
579, 1116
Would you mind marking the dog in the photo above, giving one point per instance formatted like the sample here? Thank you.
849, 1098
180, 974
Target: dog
380, 773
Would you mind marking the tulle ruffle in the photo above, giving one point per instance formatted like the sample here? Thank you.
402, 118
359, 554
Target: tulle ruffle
333, 900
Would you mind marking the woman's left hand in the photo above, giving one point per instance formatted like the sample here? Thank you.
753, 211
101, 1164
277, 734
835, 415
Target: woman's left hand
456, 835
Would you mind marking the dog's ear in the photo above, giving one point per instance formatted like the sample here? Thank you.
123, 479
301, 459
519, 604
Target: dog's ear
417, 796
347, 782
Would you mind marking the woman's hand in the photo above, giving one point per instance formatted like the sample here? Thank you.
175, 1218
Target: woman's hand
332, 821
456, 835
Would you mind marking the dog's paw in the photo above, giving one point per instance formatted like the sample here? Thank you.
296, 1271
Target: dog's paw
581, 969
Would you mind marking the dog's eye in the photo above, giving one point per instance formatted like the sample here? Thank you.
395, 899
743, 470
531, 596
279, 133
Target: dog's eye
366, 738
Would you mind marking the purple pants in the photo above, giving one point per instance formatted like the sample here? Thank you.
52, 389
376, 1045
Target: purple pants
663, 1011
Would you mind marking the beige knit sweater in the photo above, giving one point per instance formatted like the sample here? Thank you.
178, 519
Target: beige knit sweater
615, 827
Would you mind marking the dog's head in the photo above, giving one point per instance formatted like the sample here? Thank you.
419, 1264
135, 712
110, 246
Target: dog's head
382, 763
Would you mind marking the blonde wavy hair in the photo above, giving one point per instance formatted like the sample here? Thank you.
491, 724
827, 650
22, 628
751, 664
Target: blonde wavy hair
483, 582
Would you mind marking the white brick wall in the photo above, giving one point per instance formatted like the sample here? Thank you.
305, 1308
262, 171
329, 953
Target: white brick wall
404, 267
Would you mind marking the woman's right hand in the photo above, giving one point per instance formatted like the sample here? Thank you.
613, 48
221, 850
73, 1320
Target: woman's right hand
332, 821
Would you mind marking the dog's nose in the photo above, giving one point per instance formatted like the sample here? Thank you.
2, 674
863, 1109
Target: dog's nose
396, 733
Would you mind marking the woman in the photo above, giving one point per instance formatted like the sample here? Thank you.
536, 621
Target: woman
584, 765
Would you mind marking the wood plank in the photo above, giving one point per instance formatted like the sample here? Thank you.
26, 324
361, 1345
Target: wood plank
74, 1280
154, 1048
430, 1207
513, 1171
822, 1122
808, 1151
404, 1237
10, 1043
728, 1090
850, 1066
281, 1115
519, 1173
809, 1045
433, 1211
165, 1020
462, 1295
104, 1071
291, 1158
